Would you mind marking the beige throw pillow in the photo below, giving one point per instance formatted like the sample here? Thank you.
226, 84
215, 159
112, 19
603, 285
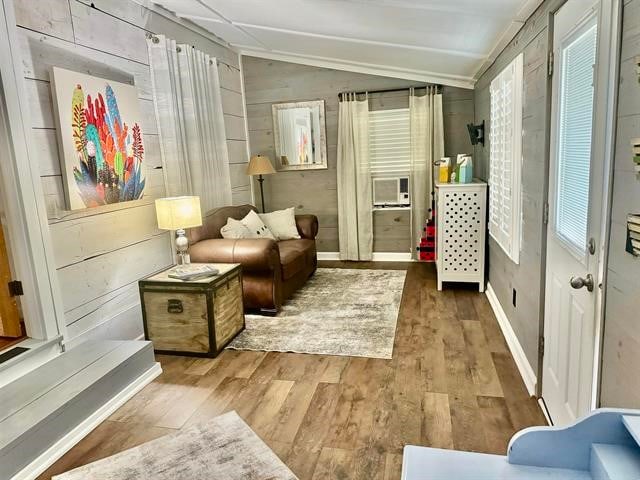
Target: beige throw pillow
235, 229
257, 228
282, 223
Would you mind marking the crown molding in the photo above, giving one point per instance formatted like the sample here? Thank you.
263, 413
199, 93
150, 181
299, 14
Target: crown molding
504, 40
509, 34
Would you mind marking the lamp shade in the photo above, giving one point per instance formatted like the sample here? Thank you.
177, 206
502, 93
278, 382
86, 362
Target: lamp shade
260, 165
175, 213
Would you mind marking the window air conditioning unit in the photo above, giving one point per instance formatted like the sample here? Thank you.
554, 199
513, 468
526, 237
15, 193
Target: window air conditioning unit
391, 192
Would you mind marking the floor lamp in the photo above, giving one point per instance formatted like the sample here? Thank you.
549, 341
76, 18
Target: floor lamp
260, 165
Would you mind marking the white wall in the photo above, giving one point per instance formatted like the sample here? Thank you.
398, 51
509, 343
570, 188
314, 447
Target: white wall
101, 253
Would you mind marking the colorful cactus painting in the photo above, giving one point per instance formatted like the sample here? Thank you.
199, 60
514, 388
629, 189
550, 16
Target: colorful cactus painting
109, 153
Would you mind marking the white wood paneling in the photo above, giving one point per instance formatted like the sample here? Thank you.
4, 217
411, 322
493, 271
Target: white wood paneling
152, 155
40, 106
83, 319
154, 188
41, 52
143, 14
88, 280
80, 239
125, 322
234, 127
53, 195
101, 253
230, 78
106, 305
237, 151
147, 117
232, 103
241, 195
51, 17
239, 177
95, 29
46, 148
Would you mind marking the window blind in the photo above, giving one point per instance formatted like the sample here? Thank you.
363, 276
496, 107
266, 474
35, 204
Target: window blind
575, 122
389, 142
505, 208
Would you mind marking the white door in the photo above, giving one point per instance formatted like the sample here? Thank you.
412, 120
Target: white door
576, 177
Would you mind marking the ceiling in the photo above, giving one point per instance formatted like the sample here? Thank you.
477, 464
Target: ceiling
441, 41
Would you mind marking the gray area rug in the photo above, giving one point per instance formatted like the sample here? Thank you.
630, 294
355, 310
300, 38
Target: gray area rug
223, 449
338, 312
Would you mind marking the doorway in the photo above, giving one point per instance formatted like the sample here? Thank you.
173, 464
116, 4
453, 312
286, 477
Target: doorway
580, 136
12, 328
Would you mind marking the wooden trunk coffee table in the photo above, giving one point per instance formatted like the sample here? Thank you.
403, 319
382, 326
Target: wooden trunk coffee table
197, 317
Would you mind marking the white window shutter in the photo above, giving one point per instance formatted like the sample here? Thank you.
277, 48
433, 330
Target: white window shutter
505, 209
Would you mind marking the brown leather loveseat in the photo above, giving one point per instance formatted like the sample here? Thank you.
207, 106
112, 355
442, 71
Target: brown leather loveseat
271, 271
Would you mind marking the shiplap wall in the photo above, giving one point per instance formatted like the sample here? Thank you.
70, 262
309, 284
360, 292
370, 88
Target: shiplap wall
621, 349
100, 253
269, 81
504, 274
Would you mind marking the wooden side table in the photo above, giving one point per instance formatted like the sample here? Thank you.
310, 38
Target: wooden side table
198, 317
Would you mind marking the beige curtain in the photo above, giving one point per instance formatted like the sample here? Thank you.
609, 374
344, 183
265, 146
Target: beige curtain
188, 103
355, 218
427, 146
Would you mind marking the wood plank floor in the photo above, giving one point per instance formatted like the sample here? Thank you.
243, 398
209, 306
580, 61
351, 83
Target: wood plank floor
452, 383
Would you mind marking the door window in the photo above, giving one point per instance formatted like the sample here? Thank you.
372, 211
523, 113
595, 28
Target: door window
574, 137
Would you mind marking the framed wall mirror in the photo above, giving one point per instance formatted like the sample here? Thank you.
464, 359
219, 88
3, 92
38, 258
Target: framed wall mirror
300, 135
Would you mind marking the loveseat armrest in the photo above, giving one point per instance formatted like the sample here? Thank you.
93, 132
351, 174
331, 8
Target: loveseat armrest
307, 226
255, 254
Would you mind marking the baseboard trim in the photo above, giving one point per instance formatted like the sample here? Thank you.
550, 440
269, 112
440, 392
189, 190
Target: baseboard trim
328, 256
392, 257
62, 446
377, 256
524, 367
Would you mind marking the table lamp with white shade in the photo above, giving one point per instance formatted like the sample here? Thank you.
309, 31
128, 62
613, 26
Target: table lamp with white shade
178, 213
260, 165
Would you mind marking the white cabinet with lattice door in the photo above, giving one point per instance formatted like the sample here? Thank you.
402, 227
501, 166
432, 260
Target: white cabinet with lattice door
461, 230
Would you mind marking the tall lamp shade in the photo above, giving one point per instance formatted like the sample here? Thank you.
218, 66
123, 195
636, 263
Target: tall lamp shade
260, 165
178, 213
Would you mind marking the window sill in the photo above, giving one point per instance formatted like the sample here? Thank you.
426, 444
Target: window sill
389, 209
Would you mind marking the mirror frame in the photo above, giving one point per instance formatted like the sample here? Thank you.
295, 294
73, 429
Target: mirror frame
322, 148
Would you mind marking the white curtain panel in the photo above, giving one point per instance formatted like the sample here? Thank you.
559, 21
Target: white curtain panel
427, 146
188, 103
355, 217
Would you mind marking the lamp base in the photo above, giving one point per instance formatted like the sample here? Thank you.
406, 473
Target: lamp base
261, 181
182, 247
